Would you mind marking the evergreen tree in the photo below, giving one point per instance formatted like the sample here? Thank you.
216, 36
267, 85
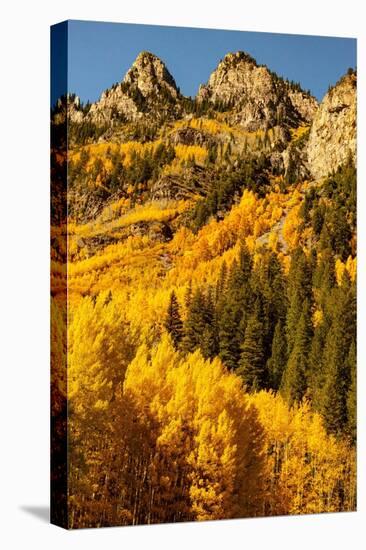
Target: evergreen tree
299, 291
173, 322
318, 219
268, 286
324, 276
199, 328
209, 341
277, 286
232, 321
338, 358
334, 402
229, 336
340, 232
252, 363
277, 362
294, 379
316, 375
221, 283
188, 296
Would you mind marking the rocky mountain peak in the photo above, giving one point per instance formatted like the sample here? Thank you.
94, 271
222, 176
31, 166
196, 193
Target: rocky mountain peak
332, 138
150, 75
148, 89
257, 97
233, 59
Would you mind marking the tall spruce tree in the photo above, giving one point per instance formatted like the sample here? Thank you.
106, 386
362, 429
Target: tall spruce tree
269, 289
173, 321
277, 362
294, 379
232, 320
194, 325
188, 296
229, 332
209, 341
335, 390
252, 366
316, 367
200, 328
299, 291
337, 356
221, 283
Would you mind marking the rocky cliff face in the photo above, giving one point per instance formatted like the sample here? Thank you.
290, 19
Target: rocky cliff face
147, 89
333, 132
304, 104
257, 98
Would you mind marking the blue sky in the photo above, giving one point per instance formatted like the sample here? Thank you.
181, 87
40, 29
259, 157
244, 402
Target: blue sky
100, 54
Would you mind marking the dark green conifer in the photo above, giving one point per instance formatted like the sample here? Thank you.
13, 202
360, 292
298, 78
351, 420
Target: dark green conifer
195, 323
232, 321
209, 341
294, 379
252, 363
221, 283
277, 362
173, 322
299, 291
334, 402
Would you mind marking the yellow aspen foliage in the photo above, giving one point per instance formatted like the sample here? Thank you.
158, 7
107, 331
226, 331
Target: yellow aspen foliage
186, 152
208, 439
290, 228
309, 471
143, 272
128, 150
317, 317
273, 241
276, 214
183, 240
298, 133
250, 242
350, 266
99, 351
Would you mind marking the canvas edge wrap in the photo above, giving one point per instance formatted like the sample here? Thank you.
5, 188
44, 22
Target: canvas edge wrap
59, 314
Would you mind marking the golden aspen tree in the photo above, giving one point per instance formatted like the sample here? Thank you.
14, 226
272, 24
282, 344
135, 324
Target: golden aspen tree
207, 458
100, 348
309, 470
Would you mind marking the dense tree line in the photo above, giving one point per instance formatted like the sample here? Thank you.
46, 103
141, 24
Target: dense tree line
228, 184
156, 435
143, 167
293, 333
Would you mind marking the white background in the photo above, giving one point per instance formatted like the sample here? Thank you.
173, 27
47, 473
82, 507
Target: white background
24, 234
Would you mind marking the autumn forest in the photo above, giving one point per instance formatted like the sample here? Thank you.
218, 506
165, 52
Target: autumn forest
203, 307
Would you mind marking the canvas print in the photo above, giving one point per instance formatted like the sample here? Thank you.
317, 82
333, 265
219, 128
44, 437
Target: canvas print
203, 253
